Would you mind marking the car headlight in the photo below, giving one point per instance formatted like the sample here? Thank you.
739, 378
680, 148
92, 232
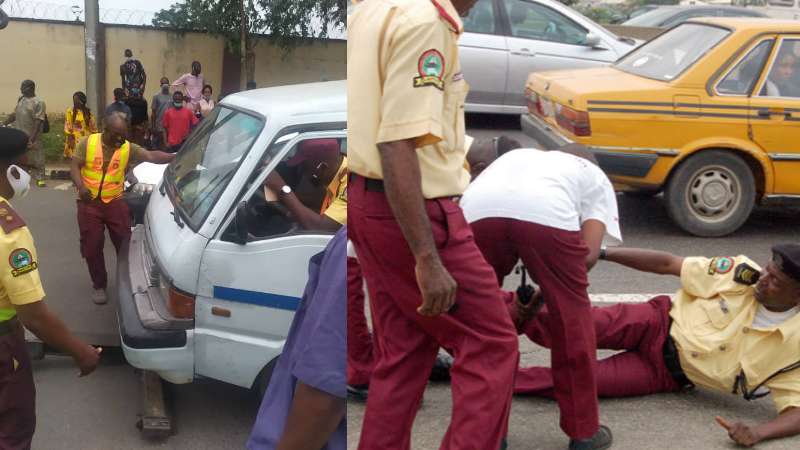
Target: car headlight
143, 188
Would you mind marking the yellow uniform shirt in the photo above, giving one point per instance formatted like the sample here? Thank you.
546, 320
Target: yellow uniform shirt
712, 329
19, 274
405, 82
335, 204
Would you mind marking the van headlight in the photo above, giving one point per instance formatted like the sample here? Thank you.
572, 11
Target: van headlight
143, 188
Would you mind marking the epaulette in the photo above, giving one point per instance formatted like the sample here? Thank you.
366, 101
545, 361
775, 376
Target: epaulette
444, 15
9, 219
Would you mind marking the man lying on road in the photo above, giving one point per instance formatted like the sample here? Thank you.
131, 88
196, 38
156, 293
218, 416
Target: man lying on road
732, 327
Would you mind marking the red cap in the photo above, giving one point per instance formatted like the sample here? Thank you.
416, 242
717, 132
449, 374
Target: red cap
314, 150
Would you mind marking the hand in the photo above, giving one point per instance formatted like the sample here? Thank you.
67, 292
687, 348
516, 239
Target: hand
71, 140
274, 182
438, 288
84, 194
740, 433
88, 359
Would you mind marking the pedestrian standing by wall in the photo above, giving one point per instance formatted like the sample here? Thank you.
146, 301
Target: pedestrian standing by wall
206, 103
21, 303
191, 84
177, 122
119, 106
29, 116
429, 284
79, 122
134, 78
161, 102
98, 172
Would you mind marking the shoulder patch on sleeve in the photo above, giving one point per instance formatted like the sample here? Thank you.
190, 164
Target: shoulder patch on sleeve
9, 219
720, 265
431, 67
21, 262
746, 274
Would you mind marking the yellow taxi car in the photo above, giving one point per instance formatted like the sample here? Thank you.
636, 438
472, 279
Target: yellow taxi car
708, 113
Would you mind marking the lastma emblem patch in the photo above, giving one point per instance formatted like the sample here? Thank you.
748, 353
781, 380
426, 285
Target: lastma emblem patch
431, 70
21, 262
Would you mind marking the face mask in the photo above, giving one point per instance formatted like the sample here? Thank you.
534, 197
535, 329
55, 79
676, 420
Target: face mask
20, 185
165, 88
178, 105
207, 98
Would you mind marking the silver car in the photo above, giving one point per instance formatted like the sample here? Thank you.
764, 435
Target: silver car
505, 40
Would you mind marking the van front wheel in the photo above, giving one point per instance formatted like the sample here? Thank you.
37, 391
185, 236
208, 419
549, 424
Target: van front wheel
711, 194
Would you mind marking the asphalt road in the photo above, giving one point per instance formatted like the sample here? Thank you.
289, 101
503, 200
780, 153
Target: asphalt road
660, 422
100, 411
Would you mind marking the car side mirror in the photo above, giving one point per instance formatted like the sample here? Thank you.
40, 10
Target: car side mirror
240, 224
3, 19
593, 40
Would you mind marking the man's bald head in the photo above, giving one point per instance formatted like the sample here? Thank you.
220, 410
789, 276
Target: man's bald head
483, 152
115, 129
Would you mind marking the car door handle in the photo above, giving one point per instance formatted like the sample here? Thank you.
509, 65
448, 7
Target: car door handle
768, 113
523, 52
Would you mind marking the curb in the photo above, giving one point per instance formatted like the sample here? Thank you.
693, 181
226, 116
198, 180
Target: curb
56, 173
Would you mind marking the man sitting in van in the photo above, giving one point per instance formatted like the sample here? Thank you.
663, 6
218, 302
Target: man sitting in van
321, 162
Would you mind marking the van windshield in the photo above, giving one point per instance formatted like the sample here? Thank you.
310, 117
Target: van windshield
208, 161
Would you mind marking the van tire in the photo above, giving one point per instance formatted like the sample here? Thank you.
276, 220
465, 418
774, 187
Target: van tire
262, 381
711, 194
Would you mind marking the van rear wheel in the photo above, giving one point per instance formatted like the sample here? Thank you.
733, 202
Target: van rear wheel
711, 194
262, 382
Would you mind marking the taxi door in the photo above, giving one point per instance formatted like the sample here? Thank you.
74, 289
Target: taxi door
249, 291
775, 115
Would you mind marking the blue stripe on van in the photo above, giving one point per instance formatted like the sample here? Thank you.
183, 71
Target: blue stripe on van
257, 298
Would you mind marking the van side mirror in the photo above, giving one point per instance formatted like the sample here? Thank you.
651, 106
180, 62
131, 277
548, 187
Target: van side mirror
240, 224
3, 19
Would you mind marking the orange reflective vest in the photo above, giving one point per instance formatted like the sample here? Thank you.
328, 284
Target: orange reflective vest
108, 185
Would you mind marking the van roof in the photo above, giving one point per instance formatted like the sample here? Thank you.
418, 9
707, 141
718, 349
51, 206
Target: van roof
323, 99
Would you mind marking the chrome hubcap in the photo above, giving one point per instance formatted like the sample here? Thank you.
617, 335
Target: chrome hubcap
713, 193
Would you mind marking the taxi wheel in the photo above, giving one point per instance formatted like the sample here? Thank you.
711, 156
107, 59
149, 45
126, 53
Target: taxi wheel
711, 194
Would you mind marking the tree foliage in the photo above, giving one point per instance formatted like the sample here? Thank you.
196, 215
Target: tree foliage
285, 22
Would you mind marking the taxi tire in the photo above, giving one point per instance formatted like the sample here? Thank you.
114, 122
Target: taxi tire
676, 193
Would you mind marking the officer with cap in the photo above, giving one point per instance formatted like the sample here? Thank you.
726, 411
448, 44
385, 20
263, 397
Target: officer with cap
21, 303
733, 327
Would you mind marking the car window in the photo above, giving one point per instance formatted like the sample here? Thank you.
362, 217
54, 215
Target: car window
535, 21
783, 79
209, 160
781, 2
266, 216
670, 54
693, 14
743, 77
481, 18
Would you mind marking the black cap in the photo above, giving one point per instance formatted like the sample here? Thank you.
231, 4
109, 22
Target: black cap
787, 258
13, 143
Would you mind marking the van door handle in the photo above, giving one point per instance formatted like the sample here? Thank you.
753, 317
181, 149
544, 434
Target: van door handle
768, 113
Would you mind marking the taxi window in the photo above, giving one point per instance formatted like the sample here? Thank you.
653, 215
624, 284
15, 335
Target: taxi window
783, 79
670, 54
742, 78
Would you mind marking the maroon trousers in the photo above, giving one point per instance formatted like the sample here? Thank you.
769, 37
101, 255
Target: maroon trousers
640, 329
479, 333
93, 218
556, 260
360, 359
17, 393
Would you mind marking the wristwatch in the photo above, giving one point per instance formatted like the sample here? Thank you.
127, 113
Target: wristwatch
602, 253
286, 190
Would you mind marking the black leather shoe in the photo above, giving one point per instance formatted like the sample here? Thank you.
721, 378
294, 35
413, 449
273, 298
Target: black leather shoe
441, 368
600, 441
504, 444
358, 392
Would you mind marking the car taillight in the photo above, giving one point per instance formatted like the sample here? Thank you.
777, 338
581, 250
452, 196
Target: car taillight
574, 121
534, 105
180, 304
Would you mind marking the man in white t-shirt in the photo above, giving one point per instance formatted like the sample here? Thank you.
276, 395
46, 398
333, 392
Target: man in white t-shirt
552, 210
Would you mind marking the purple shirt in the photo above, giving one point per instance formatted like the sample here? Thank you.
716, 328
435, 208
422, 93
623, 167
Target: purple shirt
194, 86
315, 351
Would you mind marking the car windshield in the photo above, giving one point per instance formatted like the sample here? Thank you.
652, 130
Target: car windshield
669, 55
208, 161
652, 18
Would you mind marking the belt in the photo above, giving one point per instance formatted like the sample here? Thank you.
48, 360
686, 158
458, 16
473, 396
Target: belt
673, 363
375, 185
9, 326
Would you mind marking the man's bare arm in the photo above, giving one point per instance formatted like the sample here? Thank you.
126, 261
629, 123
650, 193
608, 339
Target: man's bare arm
313, 418
403, 186
592, 232
153, 156
652, 261
10, 119
786, 424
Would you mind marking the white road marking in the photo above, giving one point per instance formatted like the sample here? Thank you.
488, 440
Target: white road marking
63, 187
623, 298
